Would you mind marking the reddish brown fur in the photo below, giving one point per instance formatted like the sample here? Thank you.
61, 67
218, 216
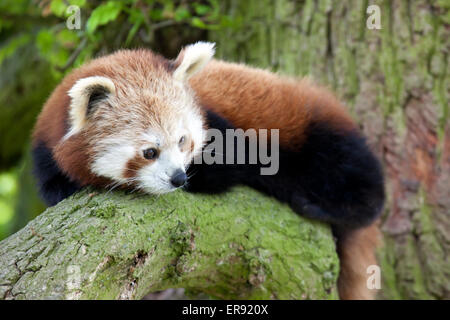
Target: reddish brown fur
356, 252
249, 98
254, 98
52, 124
74, 155
134, 165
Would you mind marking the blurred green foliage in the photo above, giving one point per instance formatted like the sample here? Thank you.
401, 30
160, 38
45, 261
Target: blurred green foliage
37, 48
8, 191
104, 25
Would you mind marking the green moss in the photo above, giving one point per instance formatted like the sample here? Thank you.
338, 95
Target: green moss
432, 254
387, 260
103, 211
239, 245
407, 260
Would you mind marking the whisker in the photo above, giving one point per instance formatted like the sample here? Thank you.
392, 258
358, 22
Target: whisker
114, 186
189, 176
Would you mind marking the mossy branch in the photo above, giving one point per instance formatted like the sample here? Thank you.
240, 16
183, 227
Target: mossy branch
239, 245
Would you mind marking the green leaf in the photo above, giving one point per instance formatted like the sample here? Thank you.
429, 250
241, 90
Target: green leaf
156, 14
80, 3
226, 21
50, 49
58, 7
59, 57
103, 14
85, 55
133, 31
197, 22
135, 15
201, 9
45, 41
168, 10
181, 14
8, 184
68, 38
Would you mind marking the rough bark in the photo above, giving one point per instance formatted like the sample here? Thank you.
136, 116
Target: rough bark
395, 82
123, 246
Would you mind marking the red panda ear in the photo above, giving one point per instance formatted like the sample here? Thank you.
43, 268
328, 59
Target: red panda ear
85, 94
192, 59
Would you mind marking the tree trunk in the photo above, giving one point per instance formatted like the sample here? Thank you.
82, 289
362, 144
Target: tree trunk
241, 245
395, 82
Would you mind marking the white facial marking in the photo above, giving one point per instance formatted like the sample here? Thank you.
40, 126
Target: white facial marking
152, 138
112, 159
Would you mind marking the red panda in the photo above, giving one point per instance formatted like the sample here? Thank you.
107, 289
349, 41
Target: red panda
136, 120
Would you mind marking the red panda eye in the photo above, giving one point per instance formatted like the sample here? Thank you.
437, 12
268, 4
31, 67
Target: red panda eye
150, 153
182, 139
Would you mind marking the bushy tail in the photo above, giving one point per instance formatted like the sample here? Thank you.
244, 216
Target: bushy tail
356, 249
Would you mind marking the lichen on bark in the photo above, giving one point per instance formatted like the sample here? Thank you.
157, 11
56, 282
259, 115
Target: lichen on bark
103, 245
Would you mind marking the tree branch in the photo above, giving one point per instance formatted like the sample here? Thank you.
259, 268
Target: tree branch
123, 246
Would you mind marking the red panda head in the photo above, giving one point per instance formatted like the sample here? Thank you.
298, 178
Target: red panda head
127, 119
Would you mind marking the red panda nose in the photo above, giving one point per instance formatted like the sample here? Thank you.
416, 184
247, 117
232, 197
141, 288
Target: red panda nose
178, 179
